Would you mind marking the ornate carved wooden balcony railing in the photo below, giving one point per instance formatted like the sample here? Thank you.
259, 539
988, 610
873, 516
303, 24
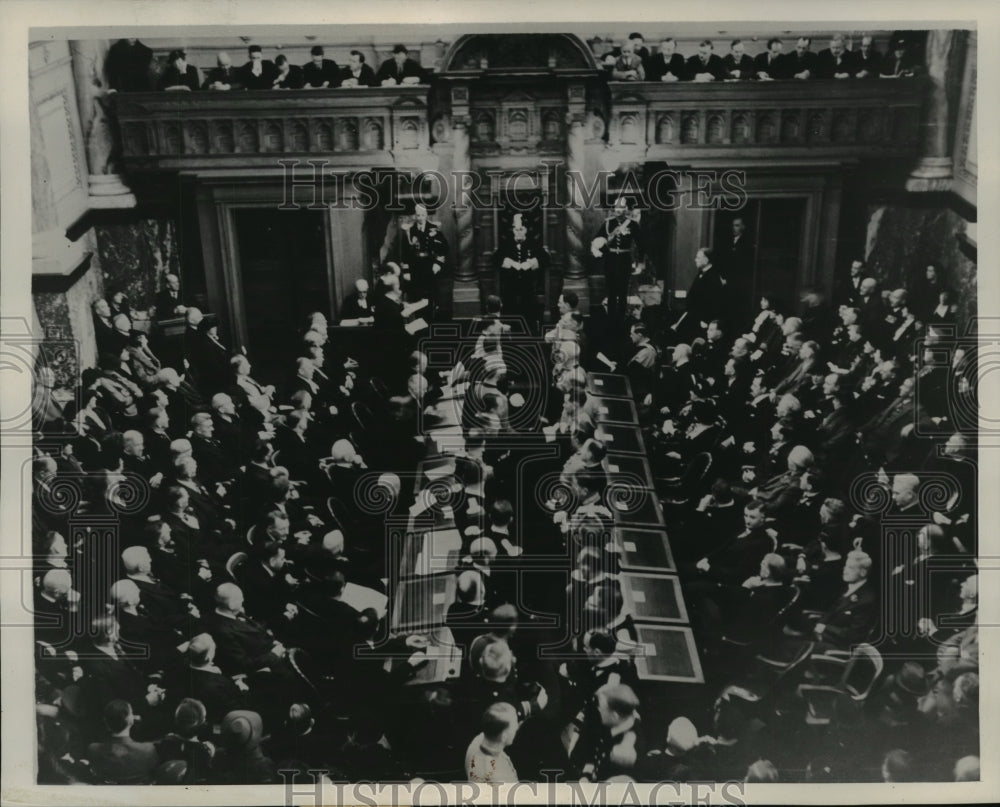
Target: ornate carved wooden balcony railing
863, 118
217, 129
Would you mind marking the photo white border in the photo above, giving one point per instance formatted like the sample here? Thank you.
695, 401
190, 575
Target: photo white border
153, 18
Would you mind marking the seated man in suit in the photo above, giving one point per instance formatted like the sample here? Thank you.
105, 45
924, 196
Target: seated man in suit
221, 77
740, 558
287, 76
179, 75
269, 585
357, 73
770, 64
319, 72
400, 69
357, 305
244, 646
867, 60
666, 64
705, 66
852, 617
258, 73
738, 66
121, 760
801, 62
835, 61
203, 680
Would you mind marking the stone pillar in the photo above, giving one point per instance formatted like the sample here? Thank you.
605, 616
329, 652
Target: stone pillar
934, 171
106, 188
466, 293
576, 249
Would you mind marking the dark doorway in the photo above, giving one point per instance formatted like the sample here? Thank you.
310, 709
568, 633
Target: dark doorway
283, 267
770, 257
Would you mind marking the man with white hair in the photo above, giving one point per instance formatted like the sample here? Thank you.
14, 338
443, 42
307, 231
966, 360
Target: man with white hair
161, 603
223, 76
217, 465
852, 616
243, 646
54, 601
357, 305
520, 262
203, 680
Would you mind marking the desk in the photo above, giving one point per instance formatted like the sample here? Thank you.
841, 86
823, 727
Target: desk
653, 598
606, 385
634, 505
422, 602
644, 550
628, 468
616, 410
621, 439
667, 653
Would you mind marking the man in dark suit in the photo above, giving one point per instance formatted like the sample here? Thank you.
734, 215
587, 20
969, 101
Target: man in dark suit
770, 64
214, 463
666, 64
737, 264
851, 618
160, 602
900, 62
740, 558
704, 300
801, 62
258, 73
739, 66
204, 681
228, 427
520, 264
287, 76
121, 760
221, 77
268, 584
835, 61
244, 646
398, 70
179, 75
357, 73
320, 72
169, 303
128, 66
705, 66
867, 60
358, 305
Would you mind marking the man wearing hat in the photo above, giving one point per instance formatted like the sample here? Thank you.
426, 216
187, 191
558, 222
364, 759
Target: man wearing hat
399, 69
519, 262
241, 759
425, 255
900, 62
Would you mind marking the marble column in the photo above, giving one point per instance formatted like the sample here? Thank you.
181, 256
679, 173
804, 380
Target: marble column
106, 187
576, 253
466, 293
934, 171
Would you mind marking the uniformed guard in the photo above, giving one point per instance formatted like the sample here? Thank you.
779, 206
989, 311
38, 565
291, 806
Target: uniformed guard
426, 257
617, 244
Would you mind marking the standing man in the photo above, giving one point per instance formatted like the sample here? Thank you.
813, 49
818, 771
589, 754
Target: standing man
259, 73
426, 254
704, 298
400, 69
739, 66
319, 72
737, 267
617, 243
520, 263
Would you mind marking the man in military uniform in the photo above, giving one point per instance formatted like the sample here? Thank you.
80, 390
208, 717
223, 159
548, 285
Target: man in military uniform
425, 253
520, 263
617, 245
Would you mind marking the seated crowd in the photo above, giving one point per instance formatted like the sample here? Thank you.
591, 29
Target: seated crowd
244, 626
130, 64
633, 61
